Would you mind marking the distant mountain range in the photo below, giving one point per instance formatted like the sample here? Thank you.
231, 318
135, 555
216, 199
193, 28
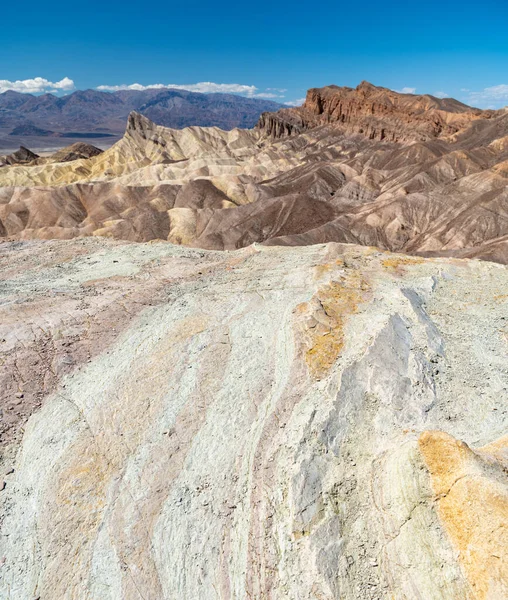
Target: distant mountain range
34, 120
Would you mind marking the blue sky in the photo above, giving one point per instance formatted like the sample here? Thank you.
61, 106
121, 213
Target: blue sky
448, 47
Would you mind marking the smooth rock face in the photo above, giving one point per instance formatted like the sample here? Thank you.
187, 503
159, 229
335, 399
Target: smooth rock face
317, 422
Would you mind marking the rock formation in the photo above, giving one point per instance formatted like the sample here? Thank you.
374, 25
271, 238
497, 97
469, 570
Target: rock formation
20, 157
406, 173
284, 408
77, 151
26, 157
376, 112
316, 422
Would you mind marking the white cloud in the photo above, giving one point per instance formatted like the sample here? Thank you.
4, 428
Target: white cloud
266, 95
490, 97
441, 95
406, 90
204, 87
464, 89
298, 102
38, 85
133, 86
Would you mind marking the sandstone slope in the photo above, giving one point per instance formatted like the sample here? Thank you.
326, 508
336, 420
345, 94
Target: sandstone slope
317, 422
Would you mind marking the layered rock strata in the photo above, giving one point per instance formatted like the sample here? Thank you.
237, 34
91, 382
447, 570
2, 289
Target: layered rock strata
316, 422
376, 112
406, 173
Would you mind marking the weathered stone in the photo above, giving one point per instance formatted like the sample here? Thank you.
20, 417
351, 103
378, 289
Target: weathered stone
208, 441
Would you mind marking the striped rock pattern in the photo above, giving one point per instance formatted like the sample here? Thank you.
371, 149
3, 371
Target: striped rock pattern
319, 422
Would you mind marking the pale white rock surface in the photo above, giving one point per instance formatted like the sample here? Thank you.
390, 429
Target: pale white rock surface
267, 423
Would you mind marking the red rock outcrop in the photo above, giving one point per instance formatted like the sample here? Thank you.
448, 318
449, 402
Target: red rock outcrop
376, 112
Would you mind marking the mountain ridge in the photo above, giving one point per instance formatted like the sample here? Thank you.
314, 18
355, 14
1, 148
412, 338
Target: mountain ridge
445, 194
377, 112
26, 117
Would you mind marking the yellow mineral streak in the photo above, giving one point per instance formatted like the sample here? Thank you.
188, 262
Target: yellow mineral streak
325, 316
471, 490
79, 497
396, 262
